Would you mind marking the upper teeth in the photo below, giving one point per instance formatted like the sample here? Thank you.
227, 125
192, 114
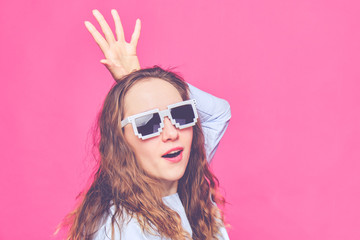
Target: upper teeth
172, 152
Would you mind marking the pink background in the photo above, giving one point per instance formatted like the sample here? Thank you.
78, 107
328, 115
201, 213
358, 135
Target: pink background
289, 162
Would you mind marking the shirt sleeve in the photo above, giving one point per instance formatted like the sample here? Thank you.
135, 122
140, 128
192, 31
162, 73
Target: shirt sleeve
214, 116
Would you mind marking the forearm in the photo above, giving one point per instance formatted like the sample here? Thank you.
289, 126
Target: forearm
214, 115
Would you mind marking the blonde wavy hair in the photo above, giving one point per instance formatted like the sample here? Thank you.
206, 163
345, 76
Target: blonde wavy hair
121, 183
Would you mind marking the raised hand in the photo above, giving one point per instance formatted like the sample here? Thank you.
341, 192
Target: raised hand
120, 56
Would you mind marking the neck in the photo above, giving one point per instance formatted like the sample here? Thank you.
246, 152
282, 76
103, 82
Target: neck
169, 187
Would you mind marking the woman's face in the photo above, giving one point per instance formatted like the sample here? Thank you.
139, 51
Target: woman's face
151, 153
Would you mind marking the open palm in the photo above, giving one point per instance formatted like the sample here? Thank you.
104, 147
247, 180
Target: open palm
120, 56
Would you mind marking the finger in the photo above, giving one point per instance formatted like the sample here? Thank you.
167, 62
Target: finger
136, 34
104, 26
99, 39
118, 26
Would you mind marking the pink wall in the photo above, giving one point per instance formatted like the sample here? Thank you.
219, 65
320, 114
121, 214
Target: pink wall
289, 162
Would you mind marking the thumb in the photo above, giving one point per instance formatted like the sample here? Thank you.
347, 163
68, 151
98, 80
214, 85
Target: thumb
109, 63
106, 62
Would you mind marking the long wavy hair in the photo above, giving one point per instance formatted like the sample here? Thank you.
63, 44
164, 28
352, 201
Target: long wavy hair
122, 184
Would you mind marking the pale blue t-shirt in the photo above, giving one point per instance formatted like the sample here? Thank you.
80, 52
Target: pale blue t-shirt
214, 116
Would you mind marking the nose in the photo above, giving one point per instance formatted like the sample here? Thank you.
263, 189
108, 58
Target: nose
170, 132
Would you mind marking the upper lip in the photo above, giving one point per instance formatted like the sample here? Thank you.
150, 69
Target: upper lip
173, 149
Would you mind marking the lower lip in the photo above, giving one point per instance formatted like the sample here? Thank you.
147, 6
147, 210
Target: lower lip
175, 159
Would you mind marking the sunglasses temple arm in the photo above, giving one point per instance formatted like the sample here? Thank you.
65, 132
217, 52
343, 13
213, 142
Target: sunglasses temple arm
125, 122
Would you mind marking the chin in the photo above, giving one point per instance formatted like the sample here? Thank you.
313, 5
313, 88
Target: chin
176, 175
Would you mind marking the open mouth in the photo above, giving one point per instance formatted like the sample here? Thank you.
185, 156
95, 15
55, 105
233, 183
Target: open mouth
172, 154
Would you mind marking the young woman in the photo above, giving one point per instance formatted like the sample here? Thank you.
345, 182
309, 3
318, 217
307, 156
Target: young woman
153, 179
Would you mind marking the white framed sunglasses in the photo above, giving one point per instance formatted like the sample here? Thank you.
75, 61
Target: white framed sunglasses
151, 123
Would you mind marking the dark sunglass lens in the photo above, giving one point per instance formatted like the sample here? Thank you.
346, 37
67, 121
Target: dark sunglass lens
183, 114
148, 124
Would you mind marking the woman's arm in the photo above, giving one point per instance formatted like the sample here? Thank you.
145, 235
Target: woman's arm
214, 115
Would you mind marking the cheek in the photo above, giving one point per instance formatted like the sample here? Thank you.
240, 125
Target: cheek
144, 150
133, 141
130, 137
187, 135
